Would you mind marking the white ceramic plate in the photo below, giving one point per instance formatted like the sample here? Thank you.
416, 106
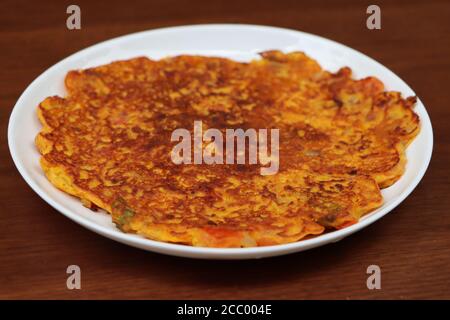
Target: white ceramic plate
239, 42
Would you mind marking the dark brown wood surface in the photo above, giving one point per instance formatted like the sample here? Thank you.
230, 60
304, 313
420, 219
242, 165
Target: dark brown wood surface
411, 244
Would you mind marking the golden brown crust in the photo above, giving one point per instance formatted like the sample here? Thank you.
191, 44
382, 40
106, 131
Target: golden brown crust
108, 143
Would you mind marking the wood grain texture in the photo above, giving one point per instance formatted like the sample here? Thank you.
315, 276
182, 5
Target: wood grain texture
411, 244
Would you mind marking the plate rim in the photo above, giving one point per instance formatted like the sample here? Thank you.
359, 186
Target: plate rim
206, 252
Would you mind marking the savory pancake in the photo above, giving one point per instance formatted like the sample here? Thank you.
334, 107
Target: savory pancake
108, 142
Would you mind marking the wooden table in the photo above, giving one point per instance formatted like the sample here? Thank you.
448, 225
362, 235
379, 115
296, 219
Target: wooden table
411, 244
